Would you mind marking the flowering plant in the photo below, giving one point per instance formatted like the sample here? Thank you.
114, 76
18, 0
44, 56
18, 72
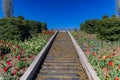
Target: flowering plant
102, 55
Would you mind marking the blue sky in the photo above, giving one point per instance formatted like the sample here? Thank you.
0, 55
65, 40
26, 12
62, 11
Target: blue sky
61, 14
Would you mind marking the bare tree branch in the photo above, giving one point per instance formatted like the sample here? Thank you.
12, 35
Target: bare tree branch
118, 7
8, 8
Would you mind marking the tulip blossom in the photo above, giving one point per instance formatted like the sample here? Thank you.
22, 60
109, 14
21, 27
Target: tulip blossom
116, 78
8, 63
2, 56
19, 58
93, 53
110, 63
0, 51
14, 73
5, 69
119, 66
14, 50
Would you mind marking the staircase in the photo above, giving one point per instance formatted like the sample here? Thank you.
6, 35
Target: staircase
62, 61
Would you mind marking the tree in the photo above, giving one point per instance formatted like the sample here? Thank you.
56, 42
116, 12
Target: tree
118, 7
21, 17
8, 8
90, 26
105, 17
44, 26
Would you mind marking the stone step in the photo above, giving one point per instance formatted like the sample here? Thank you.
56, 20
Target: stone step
62, 61
57, 78
61, 58
61, 71
64, 70
61, 68
65, 57
62, 53
58, 74
61, 64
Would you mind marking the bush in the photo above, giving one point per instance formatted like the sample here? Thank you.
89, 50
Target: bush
34, 27
14, 29
106, 29
44, 26
109, 29
90, 26
19, 29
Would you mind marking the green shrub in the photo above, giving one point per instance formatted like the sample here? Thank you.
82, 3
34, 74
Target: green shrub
90, 26
14, 29
34, 26
19, 29
44, 26
109, 29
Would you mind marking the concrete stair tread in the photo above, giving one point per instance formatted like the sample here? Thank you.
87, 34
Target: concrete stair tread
59, 74
62, 64
57, 78
61, 70
62, 61
60, 79
62, 67
60, 58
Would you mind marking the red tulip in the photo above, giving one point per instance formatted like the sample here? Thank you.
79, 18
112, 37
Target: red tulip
8, 63
0, 51
113, 53
17, 46
14, 50
110, 63
19, 58
93, 53
25, 59
119, 66
3, 56
116, 78
5, 69
14, 73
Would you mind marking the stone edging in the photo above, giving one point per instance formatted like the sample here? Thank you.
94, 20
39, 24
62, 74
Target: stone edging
83, 59
32, 69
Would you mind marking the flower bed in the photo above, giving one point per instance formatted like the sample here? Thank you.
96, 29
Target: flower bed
15, 56
104, 56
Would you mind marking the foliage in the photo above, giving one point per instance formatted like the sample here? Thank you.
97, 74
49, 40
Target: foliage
21, 17
14, 29
19, 29
104, 56
34, 26
44, 26
22, 53
90, 26
107, 29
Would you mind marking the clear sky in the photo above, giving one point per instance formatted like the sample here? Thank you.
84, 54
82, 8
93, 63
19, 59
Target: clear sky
63, 13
